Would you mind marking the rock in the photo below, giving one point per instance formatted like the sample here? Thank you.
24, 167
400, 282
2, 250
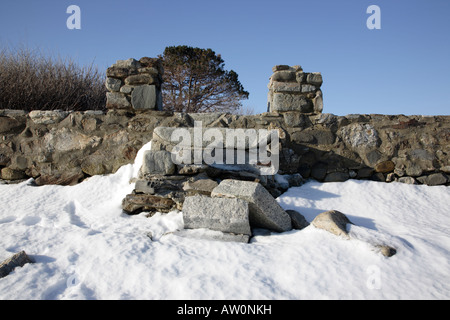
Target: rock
286, 87
265, 212
113, 84
47, 117
319, 171
136, 203
446, 169
117, 72
211, 235
436, 179
337, 177
144, 97
332, 221
116, 100
11, 174
385, 166
17, 260
11, 125
297, 219
65, 178
407, 180
318, 102
144, 186
288, 102
284, 76
202, 186
315, 79
140, 79
386, 251
280, 67
230, 215
360, 136
191, 169
129, 63
157, 162
307, 88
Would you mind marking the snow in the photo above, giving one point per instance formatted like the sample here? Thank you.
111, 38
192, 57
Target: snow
84, 247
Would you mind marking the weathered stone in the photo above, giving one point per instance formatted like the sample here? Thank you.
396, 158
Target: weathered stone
288, 102
386, 251
48, 116
315, 79
265, 212
64, 139
318, 102
11, 125
364, 173
360, 136
385, 166
297, 219
69, 177
337, 177
116, 100
129, 63
113, 84
306, 88
211, 235
117, 72
286, 87
319, 171
220, 214
190, 169
94, 165
144, 97
202, 187
280, 67
136, 203
127, 89
157, 162
11, 174
17, 260
144, 186
436, 179
140, 79
284, 76
407, 180
334, 222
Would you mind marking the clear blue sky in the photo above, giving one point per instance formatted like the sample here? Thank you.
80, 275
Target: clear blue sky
404, 68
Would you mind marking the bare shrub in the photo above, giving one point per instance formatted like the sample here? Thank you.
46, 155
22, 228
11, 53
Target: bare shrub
30, 80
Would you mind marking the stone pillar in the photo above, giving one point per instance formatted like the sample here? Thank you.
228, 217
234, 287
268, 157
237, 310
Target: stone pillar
291, 89
135, 85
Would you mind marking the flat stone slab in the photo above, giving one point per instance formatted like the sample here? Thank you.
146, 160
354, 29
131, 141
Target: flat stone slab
220, 214
157, 162
265, 212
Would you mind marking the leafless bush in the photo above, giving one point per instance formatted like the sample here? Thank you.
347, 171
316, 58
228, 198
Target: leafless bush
30, 80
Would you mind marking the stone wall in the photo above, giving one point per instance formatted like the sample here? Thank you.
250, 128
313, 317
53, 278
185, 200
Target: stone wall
58, 147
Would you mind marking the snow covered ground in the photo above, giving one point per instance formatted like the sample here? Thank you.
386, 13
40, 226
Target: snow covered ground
86, 248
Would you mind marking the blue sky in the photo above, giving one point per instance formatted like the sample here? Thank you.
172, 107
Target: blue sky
404, 68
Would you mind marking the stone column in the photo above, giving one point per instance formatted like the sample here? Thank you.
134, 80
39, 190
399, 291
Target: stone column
135, 85
291, 89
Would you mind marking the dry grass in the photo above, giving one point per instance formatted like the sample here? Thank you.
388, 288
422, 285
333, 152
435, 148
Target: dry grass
30, 80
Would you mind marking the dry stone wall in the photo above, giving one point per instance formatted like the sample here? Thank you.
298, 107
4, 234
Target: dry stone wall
59, 147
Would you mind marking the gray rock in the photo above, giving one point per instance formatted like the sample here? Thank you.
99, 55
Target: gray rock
144, 97
10, 125
315, 78
220, 214
306, 88
144, 186
284, 76
116, 100
136, 203
113, 84
202, 186
265, 212
334, 222
11, 174
407, 180
337, 177
297, 219
211, 235
289, 102
157, 162
286, 87
280, 67
140, 79
48, 116
363, 136
318, 102
129, 63
436, 179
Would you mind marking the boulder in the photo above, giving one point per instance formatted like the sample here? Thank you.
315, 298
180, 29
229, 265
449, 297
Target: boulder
144, 97
113, 84
334, 222
289, 102
265, 212
157, 162
202, 186
136, 203
385, 166
116, 100
11, 174
228, 215
298, 220
17, 260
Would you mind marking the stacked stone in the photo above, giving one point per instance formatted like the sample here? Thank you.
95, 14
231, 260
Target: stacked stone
291, 89
135, 85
